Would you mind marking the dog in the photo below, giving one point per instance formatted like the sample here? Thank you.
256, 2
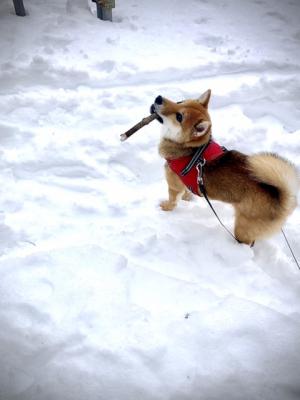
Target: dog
262, 187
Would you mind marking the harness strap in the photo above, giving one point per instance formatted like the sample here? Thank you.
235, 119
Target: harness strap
199, 167
195, 159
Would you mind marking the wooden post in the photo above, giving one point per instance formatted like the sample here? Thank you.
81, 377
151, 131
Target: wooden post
104, 9
19, 8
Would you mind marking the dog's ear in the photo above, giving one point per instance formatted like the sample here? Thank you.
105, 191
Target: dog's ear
204, 98
198, 135
201, 129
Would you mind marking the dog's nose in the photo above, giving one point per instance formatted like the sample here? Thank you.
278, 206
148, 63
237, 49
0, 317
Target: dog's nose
158, 100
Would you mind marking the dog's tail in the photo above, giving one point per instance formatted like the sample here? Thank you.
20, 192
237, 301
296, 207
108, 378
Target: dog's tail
271, 169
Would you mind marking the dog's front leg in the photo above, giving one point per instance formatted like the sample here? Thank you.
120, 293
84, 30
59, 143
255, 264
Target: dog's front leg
187, 195
175, 188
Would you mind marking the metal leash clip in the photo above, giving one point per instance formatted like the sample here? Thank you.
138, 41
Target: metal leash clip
199, 168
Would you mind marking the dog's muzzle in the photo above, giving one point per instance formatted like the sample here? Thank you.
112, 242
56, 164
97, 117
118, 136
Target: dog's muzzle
155, 106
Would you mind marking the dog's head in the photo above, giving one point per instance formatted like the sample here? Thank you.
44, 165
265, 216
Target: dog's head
186, 122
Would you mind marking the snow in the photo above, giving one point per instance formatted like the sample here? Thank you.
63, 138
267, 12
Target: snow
103, 295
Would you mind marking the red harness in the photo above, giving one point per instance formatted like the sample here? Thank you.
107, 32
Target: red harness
190, 178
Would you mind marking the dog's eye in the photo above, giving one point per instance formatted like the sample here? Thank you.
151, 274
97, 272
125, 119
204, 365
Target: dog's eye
179, 117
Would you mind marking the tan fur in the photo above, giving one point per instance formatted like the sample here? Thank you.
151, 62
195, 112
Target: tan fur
277, 171
176, 190
262, 188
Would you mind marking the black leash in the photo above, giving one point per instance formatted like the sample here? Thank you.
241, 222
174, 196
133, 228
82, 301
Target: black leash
289, 246
199, 167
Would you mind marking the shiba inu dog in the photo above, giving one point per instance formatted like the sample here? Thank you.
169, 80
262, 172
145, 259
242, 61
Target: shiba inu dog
262, 187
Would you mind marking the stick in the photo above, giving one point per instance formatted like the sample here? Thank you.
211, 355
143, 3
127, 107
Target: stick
135, 128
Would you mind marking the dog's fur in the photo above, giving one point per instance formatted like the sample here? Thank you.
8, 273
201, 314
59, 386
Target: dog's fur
262, 188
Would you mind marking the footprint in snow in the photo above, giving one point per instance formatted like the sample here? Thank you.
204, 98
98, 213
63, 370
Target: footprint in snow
277, 16
201, 21
107, 65
8, 238
234, 254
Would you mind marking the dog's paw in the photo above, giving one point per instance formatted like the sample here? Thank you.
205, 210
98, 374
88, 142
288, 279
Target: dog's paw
187, 196
167, 205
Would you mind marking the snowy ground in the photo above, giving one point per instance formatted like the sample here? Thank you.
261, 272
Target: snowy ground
103, 295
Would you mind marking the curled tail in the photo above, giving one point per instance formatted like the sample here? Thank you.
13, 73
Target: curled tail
271, 169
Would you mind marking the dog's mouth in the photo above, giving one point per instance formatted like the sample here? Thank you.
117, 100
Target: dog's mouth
154, 111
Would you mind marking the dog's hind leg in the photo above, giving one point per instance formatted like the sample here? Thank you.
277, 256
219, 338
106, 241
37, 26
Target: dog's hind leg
246, 229
251, 227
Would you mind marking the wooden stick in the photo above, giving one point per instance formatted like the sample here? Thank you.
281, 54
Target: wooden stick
138, 126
